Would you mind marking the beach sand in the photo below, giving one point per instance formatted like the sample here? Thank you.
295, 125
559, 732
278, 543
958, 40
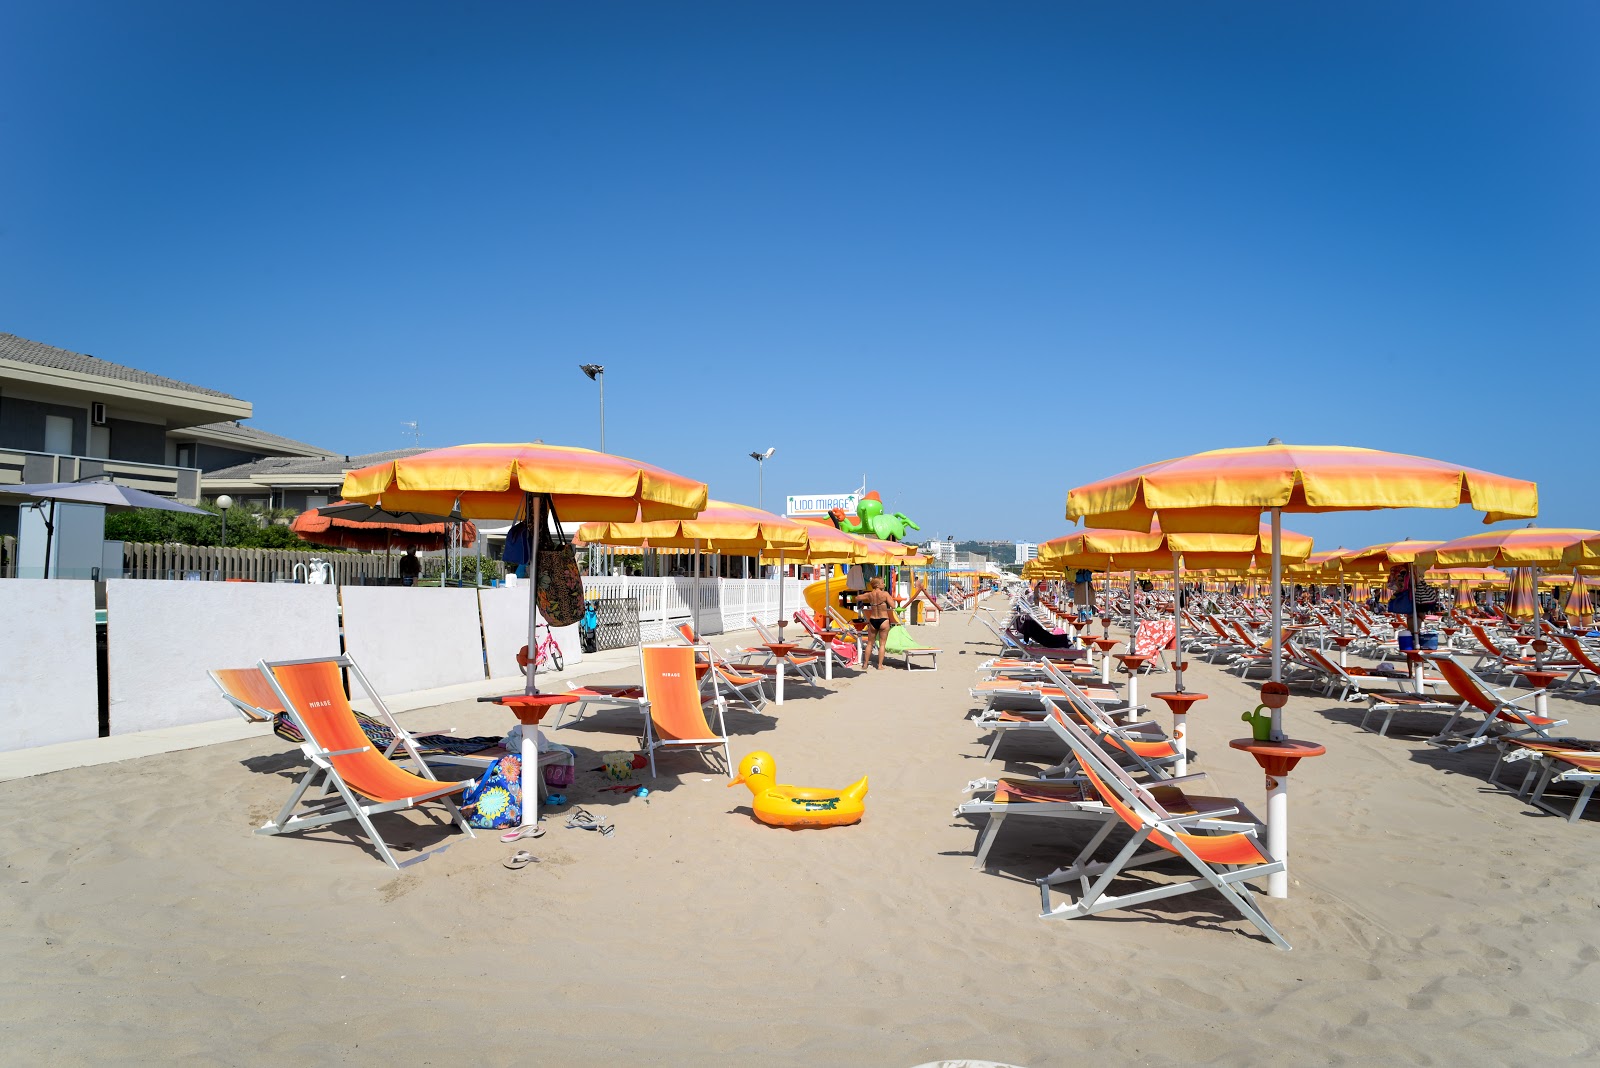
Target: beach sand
1435, 919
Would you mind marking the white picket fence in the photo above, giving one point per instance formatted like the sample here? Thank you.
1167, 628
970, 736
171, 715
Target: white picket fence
725, 604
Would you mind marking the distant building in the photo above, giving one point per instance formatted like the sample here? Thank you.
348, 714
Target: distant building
66, 415
292, 481
1026, 550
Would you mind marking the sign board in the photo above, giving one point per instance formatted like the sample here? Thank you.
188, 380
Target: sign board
820, 503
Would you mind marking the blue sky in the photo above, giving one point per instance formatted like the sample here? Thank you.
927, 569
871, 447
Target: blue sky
980, 253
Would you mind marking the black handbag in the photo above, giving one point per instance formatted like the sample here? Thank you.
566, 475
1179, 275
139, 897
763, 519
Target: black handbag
559, 586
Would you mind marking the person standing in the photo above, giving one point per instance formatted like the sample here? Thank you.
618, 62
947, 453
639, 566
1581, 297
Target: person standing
410, 567
877, 606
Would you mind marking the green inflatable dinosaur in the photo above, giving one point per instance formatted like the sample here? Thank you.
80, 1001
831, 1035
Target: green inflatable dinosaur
872, 521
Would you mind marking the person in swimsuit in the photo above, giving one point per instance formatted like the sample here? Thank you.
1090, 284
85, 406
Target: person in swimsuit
877, 606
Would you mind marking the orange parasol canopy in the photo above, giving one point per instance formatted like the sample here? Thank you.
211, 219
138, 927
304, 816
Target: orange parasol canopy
1520, 547
490, 481
395, 531
721, 527
1228, 489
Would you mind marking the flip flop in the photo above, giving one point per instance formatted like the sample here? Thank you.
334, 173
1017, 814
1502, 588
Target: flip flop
585, 820
520, 859
532, 830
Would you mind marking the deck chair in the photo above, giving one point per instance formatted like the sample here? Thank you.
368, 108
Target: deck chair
743, 684
1224, 860
1585, 671
251, 695
844, 652
1143, 741
1567, 761
1153, 639
1347, 680
804, 664
677, 719
1507, 716
359, 781
1571, 767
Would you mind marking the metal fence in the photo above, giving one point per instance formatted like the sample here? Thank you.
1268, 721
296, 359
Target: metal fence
209, 562
619, 622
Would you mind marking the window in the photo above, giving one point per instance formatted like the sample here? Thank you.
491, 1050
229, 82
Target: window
316, 502
58, 434
186, 455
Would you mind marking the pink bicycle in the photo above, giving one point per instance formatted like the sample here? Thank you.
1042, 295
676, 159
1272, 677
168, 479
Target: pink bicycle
548, 650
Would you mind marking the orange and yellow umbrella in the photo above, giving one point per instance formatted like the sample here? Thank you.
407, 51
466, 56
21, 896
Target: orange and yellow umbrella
493, 481
1522, 602
722, 527
1580, 606
508, 481
1228, 489
1547, 547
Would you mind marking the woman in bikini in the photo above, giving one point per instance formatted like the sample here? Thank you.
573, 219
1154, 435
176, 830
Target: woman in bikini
877, 606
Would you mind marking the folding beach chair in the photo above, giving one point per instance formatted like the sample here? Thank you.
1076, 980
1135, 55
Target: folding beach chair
359, 781
677, 719
804, 664
1585, 671
1224, 860
743, 683
1347, 680
1566, 761
251, 694
1507, 716
844, 652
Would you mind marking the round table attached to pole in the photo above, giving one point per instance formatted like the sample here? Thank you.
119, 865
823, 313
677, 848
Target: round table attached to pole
1277, 759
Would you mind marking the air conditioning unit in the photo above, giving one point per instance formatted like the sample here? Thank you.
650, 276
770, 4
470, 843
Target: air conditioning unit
97, 413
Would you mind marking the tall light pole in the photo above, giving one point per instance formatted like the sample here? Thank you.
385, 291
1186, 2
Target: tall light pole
224, 502
597, 373
761, 459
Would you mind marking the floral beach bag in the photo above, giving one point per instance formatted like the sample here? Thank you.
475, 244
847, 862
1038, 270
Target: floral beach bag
495, 800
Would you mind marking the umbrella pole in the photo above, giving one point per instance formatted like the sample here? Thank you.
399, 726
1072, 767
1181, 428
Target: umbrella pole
531, 507
1538, 657
1177, 620
694, 591
1416, 625
780, 597
1277, 615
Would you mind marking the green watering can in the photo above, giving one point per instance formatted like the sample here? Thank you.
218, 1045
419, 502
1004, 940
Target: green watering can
1260, 723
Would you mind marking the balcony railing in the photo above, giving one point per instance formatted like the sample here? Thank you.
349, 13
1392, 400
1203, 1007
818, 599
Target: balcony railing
179, 483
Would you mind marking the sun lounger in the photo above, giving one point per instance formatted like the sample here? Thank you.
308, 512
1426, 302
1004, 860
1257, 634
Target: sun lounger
676, 719
1224, 859
1507, 716
1565, 761
746, 685
359, 781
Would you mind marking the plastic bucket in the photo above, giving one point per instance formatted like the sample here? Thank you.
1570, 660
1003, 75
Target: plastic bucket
1430, 640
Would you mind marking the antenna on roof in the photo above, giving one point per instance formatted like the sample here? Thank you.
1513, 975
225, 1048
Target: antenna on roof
415, 431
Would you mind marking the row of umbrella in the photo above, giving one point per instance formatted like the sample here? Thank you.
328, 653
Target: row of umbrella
628, 501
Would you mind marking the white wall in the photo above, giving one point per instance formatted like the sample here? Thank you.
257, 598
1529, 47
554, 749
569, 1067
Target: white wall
163, 636
505, 630
413, 638
47, 663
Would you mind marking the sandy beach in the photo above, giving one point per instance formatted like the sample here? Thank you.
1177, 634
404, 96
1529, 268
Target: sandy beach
1435, 919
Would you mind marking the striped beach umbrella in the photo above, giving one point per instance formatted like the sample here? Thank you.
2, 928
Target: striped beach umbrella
1523, 601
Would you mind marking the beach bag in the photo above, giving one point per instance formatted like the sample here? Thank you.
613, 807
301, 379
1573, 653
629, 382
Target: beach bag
560, 583
495, 800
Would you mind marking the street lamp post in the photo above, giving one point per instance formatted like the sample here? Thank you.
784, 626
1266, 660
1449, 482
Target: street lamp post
224, 502
761, 459
597, 373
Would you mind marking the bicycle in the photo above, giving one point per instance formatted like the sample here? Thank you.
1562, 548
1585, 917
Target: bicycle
549, 649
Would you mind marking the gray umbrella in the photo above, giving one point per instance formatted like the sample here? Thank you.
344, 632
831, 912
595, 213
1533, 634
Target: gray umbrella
108, 494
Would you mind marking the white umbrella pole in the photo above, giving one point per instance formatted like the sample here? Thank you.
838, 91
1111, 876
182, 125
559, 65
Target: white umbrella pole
1538, 657
1133, 612
1277, 614
534, 522
1177, 619
780, 595
694, 591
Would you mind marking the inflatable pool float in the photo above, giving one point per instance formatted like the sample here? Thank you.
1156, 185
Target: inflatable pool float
798, 806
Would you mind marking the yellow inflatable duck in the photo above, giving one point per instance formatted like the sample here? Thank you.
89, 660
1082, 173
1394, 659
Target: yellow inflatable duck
798, 806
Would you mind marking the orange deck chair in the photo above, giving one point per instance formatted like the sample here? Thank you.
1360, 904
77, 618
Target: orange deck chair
1502, 714
360, 782
677, 719
747, 685
1223, 860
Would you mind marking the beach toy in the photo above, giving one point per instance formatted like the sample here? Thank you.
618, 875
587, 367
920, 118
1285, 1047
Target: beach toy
798, 806
619, 765
1260, 723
